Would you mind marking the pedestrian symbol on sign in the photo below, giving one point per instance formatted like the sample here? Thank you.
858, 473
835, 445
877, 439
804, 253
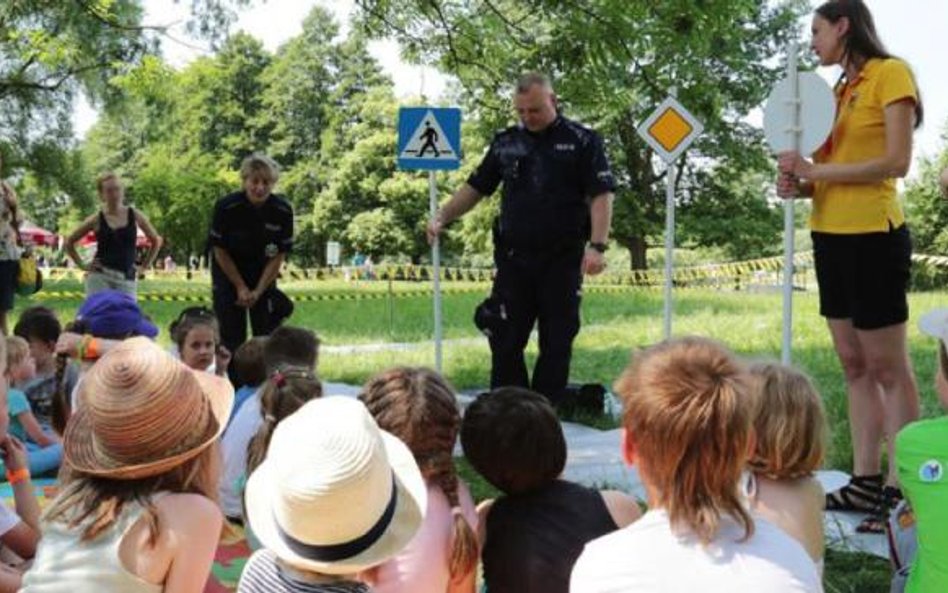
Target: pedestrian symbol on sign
430, 136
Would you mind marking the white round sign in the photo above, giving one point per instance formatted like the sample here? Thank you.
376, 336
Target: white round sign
817, 111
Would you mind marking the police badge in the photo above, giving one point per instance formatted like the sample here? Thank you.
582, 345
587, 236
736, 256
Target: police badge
270, 250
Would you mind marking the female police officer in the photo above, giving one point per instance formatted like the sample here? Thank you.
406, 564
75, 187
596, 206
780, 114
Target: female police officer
251, 233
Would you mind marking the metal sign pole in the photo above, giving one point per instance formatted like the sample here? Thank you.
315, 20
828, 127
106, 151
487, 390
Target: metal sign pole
793, 129
670, 174
436, 264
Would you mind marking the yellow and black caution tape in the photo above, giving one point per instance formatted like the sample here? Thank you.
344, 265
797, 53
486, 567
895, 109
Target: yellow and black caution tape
205, 297
936, 261
690, 276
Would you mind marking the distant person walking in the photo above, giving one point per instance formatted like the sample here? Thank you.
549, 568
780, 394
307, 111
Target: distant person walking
116, 233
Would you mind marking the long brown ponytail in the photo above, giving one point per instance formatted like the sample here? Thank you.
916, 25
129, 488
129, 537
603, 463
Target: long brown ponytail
418, 406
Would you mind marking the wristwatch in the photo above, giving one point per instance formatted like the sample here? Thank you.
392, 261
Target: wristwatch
600, 247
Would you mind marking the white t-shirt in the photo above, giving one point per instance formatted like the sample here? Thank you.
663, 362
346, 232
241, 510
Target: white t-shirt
648, 557
234, 443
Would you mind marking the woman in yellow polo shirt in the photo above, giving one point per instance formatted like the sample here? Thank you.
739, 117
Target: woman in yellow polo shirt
861, 245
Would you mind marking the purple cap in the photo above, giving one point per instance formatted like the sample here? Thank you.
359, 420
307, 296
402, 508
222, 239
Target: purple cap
114, 314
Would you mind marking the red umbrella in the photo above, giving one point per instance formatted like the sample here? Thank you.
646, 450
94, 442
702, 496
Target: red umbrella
89, 240
34, 235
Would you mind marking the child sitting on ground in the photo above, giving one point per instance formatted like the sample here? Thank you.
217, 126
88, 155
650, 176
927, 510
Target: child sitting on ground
688, 428
19, 529
418, 407
249, 371
285, 392
44, 450
40, 327
921, 454
790, 429
103, 320
286, 347
532, 535
197, 338
136, 509
334, 497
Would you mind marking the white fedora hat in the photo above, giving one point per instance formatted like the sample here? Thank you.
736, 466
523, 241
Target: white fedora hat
335, 494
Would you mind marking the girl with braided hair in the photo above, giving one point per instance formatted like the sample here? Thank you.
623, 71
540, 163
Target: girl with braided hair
285, 392
418, 407
790, 430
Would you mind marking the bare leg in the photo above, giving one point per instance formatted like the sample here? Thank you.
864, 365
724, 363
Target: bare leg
866, 409
888, 364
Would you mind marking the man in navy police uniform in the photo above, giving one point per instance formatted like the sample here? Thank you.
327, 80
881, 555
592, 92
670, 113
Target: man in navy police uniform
251, 234
555, 214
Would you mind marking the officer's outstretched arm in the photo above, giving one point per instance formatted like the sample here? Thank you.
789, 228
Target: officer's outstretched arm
465, 198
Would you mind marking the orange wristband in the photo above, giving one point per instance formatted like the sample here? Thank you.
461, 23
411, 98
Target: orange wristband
92, 349
20, 475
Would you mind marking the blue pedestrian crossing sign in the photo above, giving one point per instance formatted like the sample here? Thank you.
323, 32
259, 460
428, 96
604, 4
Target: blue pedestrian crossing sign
429, 138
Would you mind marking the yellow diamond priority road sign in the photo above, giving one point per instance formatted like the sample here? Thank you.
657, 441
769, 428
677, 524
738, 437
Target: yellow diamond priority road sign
670, 129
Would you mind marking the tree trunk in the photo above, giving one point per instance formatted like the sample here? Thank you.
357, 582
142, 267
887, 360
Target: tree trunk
638, 248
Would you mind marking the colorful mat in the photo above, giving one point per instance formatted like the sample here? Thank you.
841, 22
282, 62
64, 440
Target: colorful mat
232, 551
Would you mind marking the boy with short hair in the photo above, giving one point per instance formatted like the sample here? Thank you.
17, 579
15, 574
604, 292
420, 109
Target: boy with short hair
250, 372
44, 449
40, 327
532, 535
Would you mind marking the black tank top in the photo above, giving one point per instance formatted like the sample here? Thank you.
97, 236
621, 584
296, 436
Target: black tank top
115, 248
534, 539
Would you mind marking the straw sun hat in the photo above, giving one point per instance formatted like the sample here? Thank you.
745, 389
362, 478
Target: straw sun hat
141, 412
335, 494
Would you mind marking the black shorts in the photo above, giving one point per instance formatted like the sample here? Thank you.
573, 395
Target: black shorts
864, 277
9, 268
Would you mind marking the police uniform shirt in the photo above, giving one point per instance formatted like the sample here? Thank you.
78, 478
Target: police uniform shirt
548, 178
250, 234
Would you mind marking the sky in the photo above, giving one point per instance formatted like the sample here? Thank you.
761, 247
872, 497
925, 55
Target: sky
915, 30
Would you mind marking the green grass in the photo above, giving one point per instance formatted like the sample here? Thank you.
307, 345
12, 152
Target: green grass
852, 572
614, 324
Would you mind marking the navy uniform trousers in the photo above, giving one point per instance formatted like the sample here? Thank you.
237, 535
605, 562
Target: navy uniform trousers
542, 288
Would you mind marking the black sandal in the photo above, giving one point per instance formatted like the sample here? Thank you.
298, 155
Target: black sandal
863, 494
877, 519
